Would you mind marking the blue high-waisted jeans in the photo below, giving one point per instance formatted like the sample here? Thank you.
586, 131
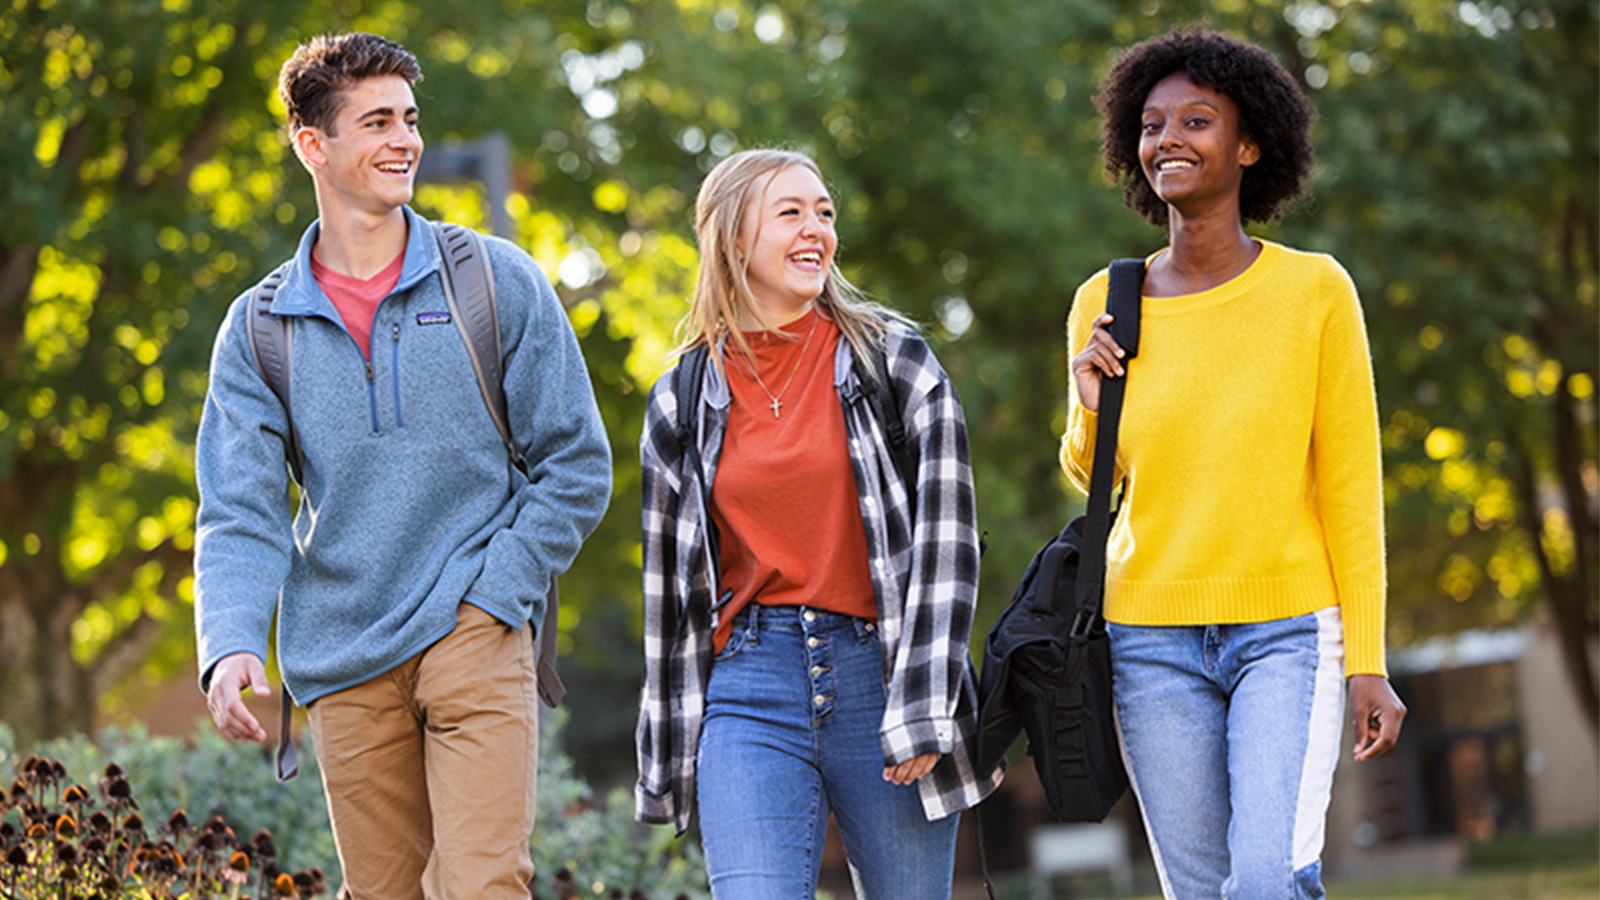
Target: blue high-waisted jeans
791, 731
1231, 733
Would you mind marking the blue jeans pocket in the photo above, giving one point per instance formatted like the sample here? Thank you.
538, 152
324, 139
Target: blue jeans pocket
736, 640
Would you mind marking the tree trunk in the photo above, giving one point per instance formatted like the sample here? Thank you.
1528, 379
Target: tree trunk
44, 692
1568, 595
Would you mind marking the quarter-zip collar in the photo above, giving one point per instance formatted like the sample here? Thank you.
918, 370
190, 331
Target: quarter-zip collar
300, 295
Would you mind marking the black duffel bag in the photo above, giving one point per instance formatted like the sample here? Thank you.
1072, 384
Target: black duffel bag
1047, 659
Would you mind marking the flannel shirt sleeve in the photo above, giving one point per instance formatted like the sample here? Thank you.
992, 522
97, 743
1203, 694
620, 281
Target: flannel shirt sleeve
931, 642
659, 465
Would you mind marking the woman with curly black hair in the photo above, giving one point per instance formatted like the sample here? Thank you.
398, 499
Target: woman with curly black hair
1245, 574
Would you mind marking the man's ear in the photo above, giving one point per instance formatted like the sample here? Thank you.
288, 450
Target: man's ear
308, 146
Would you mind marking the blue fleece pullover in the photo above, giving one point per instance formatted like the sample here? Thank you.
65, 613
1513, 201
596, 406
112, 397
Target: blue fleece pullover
411, 506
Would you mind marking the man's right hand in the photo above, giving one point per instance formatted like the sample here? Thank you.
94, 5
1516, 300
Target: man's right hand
229, 678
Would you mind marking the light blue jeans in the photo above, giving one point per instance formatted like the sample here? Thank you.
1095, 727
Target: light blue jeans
1231, 734
791, 731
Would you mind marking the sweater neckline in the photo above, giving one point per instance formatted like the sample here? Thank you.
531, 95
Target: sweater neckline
1229, 290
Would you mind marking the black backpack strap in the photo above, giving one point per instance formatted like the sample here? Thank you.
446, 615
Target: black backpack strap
877, 387
688, 381
272, 343
688, 376
1123, 302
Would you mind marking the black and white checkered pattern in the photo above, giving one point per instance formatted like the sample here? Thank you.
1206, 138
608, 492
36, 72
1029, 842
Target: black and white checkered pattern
924, 576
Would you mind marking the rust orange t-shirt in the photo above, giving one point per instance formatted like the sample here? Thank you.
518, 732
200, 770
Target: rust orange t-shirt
357, 299
784, 498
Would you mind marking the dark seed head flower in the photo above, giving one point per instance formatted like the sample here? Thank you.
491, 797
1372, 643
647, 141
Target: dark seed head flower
114, 771
74, 794
69, 872
66, 827
7, 832
19, 789
58, 770
237, 871
66, 852
17, 856
95, 845
283, 885
118, 789
133, 822
179, 822
37, 832
100, 823
207, 840
262, 841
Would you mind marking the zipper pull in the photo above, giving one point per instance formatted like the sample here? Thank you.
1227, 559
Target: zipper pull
370, 377
397, 333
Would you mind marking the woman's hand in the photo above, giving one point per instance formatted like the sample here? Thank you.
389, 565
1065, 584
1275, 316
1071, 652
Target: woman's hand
911, 769
1101, 356
1378, 713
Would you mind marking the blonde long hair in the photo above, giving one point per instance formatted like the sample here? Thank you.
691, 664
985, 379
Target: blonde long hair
723, 284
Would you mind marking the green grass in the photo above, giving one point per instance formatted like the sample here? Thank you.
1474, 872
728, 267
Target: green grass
1552, 866
1558, 881
1541, 883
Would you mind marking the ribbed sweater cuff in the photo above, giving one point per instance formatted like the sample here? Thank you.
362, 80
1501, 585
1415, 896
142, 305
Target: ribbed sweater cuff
1363, 613
1078, 443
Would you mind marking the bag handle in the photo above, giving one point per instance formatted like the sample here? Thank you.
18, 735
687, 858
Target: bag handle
1123, 302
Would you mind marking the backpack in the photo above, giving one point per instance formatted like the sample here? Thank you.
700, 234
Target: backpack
1047, 659
469, 292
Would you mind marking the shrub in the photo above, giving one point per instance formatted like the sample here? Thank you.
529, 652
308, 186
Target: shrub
599, 849
580, 847
211, 776
64, 840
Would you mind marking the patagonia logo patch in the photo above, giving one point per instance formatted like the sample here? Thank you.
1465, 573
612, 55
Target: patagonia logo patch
433, 318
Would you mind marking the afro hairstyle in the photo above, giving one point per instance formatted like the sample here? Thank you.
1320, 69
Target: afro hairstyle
1273, 112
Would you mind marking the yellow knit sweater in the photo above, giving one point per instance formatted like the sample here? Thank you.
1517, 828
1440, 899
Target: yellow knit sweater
1250, 441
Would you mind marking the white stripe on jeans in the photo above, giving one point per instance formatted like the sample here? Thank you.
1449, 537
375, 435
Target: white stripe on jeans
1322, 741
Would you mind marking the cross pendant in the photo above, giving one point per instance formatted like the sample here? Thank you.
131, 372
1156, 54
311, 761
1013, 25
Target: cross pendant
776, 403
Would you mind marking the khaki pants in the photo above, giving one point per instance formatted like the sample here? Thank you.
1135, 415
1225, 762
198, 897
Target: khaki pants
430, 769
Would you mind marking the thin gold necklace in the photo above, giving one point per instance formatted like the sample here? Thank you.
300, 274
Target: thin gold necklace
777, 402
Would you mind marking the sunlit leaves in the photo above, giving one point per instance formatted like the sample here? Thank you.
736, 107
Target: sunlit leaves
64, 290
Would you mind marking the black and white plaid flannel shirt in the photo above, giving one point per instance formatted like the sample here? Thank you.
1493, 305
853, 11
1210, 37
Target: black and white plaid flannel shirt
924, 577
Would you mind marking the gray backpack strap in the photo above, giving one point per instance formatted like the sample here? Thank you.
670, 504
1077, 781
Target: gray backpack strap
272, 342
469, 291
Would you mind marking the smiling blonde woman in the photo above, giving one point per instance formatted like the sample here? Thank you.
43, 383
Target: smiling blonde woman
807, 612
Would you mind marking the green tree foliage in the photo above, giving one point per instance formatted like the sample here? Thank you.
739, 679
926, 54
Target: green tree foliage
147, 183
1461, 155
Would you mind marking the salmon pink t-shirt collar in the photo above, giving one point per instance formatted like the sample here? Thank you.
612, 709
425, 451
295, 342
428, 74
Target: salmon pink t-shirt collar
357, 299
